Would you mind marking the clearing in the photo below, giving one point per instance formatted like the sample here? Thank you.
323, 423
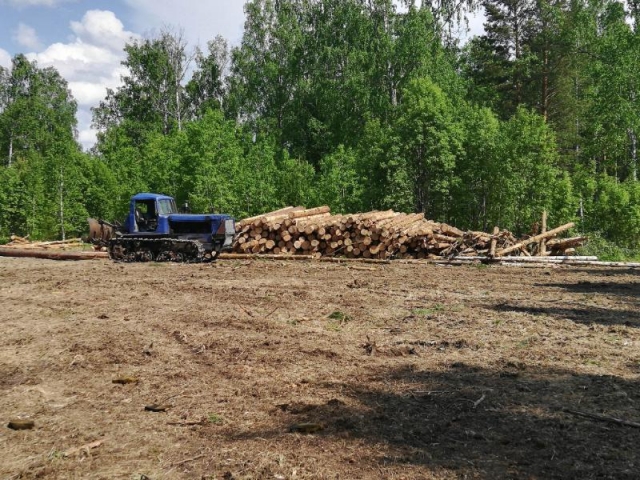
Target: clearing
399, 371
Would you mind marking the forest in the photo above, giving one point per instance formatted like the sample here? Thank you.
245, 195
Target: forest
355, 104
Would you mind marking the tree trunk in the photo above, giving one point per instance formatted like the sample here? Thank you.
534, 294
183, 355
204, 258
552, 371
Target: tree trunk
633, 139
62, 232
545, 81
10, 148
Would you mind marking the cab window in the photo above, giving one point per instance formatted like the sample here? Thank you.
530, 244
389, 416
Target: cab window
165, 207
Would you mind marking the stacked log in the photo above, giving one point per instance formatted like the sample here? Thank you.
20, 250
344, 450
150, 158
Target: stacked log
381, 235
56, 250
25, 243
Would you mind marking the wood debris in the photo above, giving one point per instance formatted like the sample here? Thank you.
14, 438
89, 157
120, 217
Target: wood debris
51, 255
86, 449
21, 424
56, 250
25, 243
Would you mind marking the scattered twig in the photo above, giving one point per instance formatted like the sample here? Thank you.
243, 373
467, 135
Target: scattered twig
430, 392
271, 312
186, 424
479, 401
192, 459
170, 397
363, 269
245, 310
84, 448
603, 418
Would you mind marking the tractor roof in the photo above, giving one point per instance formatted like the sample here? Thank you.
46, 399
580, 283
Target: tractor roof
150, 196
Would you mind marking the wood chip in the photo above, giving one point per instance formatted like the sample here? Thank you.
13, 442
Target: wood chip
306, 428
21, 424
124, 380
84, 448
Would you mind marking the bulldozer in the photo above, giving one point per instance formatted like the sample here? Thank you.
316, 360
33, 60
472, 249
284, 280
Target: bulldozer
154, 230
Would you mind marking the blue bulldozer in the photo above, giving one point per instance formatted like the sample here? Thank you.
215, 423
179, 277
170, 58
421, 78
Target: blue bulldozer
154, 230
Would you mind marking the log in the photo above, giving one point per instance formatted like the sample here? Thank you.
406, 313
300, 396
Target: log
23, 243
451, 231
564, 243
309, 212
241, 256
49, 255
543, 243
535, 239
352, 260
246, 221
16, 238
494, 242
557, 259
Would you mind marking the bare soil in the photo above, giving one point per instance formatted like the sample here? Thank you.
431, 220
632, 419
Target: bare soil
286, 370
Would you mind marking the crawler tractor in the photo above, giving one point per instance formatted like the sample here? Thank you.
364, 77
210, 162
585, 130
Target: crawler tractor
155, 231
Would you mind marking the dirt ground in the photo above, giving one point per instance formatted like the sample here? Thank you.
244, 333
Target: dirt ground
286, 370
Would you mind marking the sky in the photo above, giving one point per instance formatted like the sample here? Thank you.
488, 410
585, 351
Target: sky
84, 39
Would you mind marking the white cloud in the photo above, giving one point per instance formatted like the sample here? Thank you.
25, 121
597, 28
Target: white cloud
5, 59
103, 28
90, 62
89, 93
26, 36
201, 20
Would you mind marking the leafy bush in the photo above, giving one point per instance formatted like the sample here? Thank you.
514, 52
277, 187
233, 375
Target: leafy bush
606, 250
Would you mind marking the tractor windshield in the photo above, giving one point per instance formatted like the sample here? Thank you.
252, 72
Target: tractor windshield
166, 207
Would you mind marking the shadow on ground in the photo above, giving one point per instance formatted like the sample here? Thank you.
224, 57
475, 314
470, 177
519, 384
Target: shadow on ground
509, 423
586, 315
625, 289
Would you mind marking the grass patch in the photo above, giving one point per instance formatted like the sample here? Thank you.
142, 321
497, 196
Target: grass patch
340, 316
423, 312
215, 419
339, 319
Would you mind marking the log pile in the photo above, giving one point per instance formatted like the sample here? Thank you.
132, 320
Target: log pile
383, 235
56, 250
25, 243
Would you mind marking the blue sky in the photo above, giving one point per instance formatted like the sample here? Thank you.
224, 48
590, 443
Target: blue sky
84, 39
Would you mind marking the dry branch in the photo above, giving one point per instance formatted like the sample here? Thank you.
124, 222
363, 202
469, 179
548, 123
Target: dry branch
604, 418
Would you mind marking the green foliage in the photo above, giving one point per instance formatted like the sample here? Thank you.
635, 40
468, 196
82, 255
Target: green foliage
152, 96
617, 211
529, 173
604, 249
429, 139
338, 184
478, 201
358, 105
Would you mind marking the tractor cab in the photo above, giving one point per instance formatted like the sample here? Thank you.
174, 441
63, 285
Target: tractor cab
145, 211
